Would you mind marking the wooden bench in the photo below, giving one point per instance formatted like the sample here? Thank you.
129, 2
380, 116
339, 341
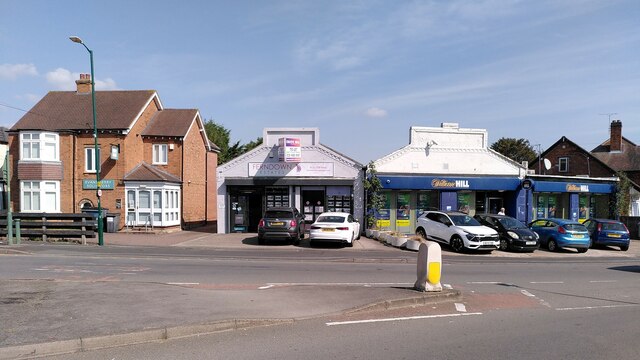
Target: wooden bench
45, 225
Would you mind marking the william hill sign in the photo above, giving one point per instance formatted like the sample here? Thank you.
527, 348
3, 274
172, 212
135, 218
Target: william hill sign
444, 183
577, 188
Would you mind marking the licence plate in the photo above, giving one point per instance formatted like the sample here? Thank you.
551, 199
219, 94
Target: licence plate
277, 223
530, 242
614, 235
328, 229
578, 236
488, 243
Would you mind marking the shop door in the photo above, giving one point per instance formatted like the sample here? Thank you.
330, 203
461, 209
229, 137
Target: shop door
495, 204
245, 210
313, 203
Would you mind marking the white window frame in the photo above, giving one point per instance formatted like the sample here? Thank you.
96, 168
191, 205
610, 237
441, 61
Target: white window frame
563, 161
165, 212
48, 196
47, 144
160, 154
89, 152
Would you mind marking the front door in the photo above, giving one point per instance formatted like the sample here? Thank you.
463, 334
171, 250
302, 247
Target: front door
313, 204
495, 204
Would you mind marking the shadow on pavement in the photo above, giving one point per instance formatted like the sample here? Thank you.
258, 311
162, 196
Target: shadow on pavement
629, 268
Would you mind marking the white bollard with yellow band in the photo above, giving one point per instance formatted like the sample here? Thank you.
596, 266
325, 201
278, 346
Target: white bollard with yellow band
429, 267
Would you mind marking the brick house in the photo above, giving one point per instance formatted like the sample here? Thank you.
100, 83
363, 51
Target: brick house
157, 166
569, 159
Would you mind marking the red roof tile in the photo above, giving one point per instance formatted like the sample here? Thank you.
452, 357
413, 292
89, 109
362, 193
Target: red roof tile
171, 122
146, 172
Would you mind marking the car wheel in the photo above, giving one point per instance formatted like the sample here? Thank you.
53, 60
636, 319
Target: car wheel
624, 247
582, 250
457, 244
350, 243
358, 236
552, 245
420, 232
504, 244
590, 243
302, 233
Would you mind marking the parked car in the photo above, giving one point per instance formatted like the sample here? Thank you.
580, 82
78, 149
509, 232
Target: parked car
561, 233
281, 223
514, 235
458, 230
335, 226
608, 232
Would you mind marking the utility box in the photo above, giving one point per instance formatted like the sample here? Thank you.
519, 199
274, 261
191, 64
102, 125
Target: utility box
113, 222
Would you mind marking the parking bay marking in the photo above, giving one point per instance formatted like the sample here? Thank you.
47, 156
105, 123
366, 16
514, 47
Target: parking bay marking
596, 307
400, 319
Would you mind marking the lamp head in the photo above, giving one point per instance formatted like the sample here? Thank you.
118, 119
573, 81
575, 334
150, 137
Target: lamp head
75, 39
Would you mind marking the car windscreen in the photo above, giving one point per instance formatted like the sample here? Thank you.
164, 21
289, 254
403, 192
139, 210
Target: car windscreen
511, 223
464, 220
331, 219
575, 227
613, 226
278, 214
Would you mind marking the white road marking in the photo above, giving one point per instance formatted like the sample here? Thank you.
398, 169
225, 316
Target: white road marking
484, 282
546, 282
596, 307
526, 293
460, 307
603, 281
399, 319
447, 286
341, 284
182, 283
265, 287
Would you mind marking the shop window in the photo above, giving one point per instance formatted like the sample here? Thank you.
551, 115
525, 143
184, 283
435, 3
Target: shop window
427, 200
277, 196
464, 202
563, 164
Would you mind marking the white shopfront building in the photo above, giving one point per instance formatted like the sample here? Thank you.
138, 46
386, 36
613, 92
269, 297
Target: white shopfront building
290, 168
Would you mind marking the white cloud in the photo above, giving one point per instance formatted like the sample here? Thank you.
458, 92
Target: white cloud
13, 71
63, 79
375, 112
33, 98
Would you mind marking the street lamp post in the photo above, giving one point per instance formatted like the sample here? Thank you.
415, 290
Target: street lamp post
95, 141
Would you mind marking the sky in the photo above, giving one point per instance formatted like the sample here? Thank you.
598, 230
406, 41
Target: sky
363, 72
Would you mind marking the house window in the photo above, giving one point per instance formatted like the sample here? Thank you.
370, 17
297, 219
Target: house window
40, 196
160, 154
90, 160
563, 164
39, 146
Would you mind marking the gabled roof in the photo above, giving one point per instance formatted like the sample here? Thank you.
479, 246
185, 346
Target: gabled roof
565, 139
171, 122
626, 160
69, 110
146, 172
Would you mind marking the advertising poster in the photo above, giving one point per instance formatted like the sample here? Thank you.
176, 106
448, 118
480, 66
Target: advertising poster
384, 215
464, 199
551, 207
540, 207
403, 212
583, 207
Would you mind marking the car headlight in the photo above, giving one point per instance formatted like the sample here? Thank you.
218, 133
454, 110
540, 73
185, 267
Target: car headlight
513, 235
470, 236
537, 236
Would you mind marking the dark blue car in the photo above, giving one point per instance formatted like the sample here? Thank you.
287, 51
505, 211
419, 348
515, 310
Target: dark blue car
608, 232
561, 233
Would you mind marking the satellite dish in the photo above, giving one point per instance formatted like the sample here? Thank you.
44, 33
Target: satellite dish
547, 164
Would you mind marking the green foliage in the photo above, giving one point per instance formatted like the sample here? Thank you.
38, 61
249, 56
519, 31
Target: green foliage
623, 198
221, 136
516, 149
375, 199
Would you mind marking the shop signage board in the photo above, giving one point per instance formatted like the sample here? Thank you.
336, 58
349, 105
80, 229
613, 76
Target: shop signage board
289, 150
105, 184
285, 169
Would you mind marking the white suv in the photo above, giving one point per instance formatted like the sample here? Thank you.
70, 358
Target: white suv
457, 229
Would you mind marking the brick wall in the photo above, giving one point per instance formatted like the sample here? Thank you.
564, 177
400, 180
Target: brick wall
194, 186
212, 187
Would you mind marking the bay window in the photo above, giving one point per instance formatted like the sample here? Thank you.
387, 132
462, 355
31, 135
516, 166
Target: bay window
40, 146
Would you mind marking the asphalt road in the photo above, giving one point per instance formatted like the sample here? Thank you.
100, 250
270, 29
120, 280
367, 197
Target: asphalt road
570, 306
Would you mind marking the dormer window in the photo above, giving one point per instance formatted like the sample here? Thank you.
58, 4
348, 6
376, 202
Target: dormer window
160, 154
563, 164
39, 146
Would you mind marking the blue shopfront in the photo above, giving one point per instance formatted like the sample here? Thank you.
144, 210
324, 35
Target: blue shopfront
407, 197
570, 198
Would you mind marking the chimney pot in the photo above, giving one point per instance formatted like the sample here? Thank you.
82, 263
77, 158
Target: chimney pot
84, 84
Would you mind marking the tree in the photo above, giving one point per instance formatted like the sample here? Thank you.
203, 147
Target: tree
375, 199
221, 136
623, 199
515, 149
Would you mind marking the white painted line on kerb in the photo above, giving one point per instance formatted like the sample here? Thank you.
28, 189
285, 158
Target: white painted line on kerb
461, 307
341, 284
546, 282
596, 307
447, 286
526, 293
484, 282
603, 281
399, 319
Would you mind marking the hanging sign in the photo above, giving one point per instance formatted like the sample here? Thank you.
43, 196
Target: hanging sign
289, 150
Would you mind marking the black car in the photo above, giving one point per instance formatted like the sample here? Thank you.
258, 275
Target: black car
514, 235
281, 223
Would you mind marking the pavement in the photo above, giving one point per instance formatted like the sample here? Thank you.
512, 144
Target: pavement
45, 317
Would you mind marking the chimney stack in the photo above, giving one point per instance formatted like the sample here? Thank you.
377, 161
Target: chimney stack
84, 84
615, 141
